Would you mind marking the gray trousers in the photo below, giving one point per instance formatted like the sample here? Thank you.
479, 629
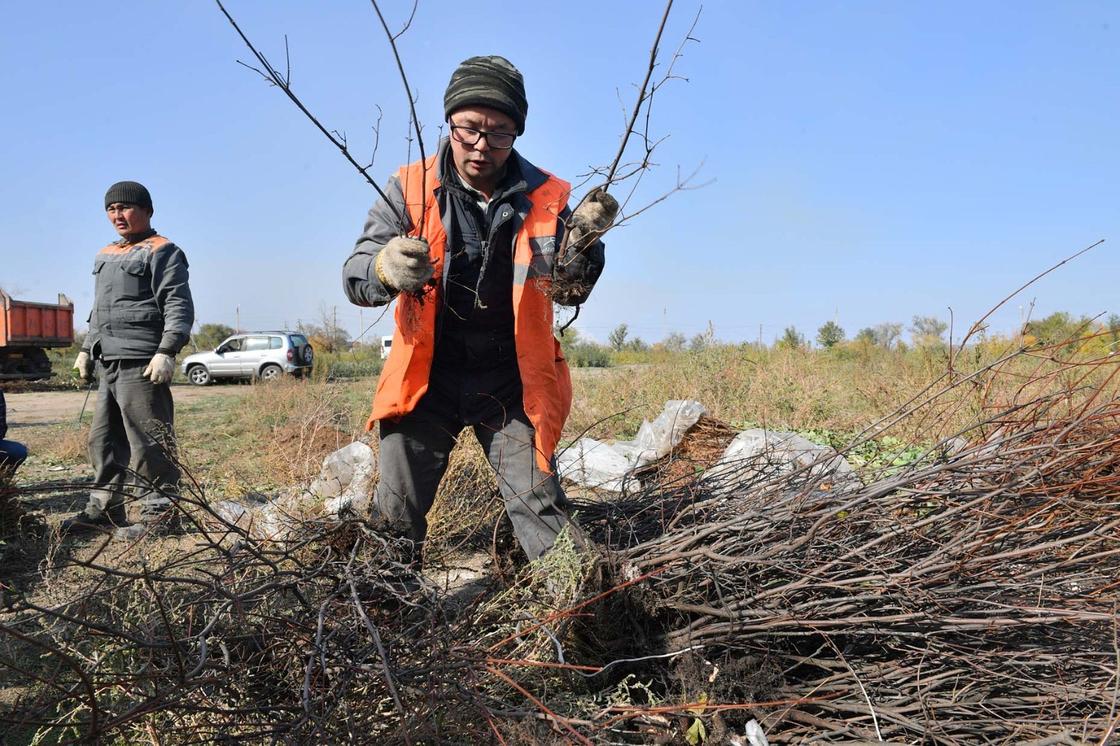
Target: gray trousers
414, 454
131, 441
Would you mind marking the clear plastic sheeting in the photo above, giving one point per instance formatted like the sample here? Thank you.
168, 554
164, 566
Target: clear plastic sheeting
756, 455
607, 466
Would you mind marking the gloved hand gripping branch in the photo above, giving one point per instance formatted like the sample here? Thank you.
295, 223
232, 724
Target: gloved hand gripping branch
587, 223
404, 265
590, 220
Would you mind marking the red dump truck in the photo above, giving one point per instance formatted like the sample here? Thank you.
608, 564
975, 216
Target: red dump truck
27, 330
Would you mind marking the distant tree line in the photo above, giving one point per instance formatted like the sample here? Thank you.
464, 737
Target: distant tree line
1059, 329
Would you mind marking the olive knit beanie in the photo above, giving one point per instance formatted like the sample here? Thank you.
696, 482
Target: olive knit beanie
130, 192
488, 81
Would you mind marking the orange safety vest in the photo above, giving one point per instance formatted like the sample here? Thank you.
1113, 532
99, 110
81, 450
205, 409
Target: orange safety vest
545, 378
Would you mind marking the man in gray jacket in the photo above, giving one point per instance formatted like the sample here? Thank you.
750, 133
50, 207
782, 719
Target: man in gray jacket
142, 316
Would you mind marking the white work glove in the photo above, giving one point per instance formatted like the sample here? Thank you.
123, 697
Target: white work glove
589, 221
404, 264
160, 369
84, 365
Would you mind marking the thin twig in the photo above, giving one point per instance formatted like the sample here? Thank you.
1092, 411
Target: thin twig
282, 82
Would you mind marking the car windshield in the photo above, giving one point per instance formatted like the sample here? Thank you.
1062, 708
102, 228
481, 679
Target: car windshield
298, 340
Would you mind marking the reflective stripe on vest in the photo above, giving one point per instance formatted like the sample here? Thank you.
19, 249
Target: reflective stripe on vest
545, 378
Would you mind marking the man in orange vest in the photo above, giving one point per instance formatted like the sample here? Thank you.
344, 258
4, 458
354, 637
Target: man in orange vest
468, 244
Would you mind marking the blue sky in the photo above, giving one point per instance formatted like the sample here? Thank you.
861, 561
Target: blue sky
865, 161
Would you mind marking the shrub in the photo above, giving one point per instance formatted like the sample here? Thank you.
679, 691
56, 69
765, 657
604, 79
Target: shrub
359, 362
589, 355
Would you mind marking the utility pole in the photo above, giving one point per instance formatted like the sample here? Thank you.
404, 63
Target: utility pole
238, 312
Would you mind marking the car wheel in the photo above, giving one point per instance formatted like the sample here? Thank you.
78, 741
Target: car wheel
308, 354
271, 372
198, 375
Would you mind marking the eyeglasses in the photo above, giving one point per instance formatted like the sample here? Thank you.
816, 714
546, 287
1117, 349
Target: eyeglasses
471, 136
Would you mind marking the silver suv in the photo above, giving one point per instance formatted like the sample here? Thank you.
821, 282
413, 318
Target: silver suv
262, 355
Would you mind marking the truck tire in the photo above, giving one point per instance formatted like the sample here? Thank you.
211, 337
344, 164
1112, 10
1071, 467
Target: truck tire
24, 364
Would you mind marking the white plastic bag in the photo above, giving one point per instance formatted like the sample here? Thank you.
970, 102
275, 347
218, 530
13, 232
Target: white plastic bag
590, 463
753, 734
346, 479
606, 466
756, 452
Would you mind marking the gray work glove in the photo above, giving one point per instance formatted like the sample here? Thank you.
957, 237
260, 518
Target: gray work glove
160, 369
84, 365
589, 221
404, 264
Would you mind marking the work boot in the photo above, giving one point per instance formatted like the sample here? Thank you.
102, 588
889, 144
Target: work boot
163, 522
107, 521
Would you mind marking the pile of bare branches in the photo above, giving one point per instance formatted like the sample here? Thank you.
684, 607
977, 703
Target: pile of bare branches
331, 636
969, 597
971, 600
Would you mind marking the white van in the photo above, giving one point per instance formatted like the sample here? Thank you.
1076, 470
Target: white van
386, 345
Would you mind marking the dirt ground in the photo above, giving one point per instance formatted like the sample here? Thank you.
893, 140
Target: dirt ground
55, 487
59, 407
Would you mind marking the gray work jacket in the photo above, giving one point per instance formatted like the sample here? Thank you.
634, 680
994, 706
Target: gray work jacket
142, 303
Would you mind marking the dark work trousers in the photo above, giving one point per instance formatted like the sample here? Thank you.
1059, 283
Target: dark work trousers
415, 450
131, 440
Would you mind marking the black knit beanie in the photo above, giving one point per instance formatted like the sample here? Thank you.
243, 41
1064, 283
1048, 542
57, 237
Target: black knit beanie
130, 192
488, 81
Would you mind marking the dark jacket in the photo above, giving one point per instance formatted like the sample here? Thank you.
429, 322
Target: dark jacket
142, 303
3, 417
